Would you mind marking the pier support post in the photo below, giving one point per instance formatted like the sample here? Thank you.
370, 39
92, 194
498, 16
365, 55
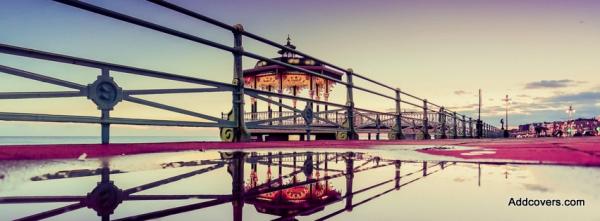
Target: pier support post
426, 135
240, 132
396, 133
352, 135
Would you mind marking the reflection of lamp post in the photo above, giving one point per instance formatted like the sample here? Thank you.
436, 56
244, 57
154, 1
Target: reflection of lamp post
506, 101
570, 111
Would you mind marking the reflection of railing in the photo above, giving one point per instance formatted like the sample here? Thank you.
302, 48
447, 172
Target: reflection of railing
106, 196
106, 93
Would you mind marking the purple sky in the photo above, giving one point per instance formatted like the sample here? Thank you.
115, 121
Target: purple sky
544, 54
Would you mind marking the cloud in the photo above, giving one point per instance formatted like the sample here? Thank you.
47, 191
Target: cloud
460, 92
550, 84
463, 107
530, 108
577, 98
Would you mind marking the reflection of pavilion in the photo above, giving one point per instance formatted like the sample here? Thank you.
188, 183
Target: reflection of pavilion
299, 200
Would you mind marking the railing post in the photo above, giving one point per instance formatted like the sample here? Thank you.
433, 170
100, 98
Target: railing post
487, 130
350, 105
470, 127
464, 124
378, 126
484, 130
105, 116
479, 128
442, 119
455, 128
240, 131
105, 126
426, 135
105, 93
270, 114
396, 133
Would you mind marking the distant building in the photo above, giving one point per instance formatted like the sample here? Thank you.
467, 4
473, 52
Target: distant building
577, 127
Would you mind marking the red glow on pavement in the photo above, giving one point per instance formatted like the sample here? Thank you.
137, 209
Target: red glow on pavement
573, 151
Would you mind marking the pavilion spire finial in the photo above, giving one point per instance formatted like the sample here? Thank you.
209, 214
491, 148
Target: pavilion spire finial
287, 47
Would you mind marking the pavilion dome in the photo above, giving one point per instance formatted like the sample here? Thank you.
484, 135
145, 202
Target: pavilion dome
267, 75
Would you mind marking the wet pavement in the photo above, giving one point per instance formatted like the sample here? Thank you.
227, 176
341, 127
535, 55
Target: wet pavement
581, 151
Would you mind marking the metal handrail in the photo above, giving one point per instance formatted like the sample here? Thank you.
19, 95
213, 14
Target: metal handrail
215, 22
430, 115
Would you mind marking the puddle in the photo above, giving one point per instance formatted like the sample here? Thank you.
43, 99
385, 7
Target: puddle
323, 184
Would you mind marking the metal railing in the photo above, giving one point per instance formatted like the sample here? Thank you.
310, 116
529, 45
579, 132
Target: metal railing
346, 121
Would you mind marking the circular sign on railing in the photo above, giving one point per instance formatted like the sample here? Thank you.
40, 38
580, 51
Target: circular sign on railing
227, 134
105, 92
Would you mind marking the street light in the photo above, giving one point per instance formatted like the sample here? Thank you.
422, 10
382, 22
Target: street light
506, 101
570, 111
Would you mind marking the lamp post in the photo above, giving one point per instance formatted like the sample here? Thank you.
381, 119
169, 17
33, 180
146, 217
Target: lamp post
479, 125
597, 126
506, 101
570, 111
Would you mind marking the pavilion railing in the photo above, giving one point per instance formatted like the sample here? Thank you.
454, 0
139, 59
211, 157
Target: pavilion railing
106, 93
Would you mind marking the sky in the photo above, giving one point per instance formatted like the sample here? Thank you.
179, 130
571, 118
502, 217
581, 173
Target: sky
543, 54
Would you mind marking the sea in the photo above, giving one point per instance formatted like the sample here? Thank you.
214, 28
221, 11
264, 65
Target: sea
31, 140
